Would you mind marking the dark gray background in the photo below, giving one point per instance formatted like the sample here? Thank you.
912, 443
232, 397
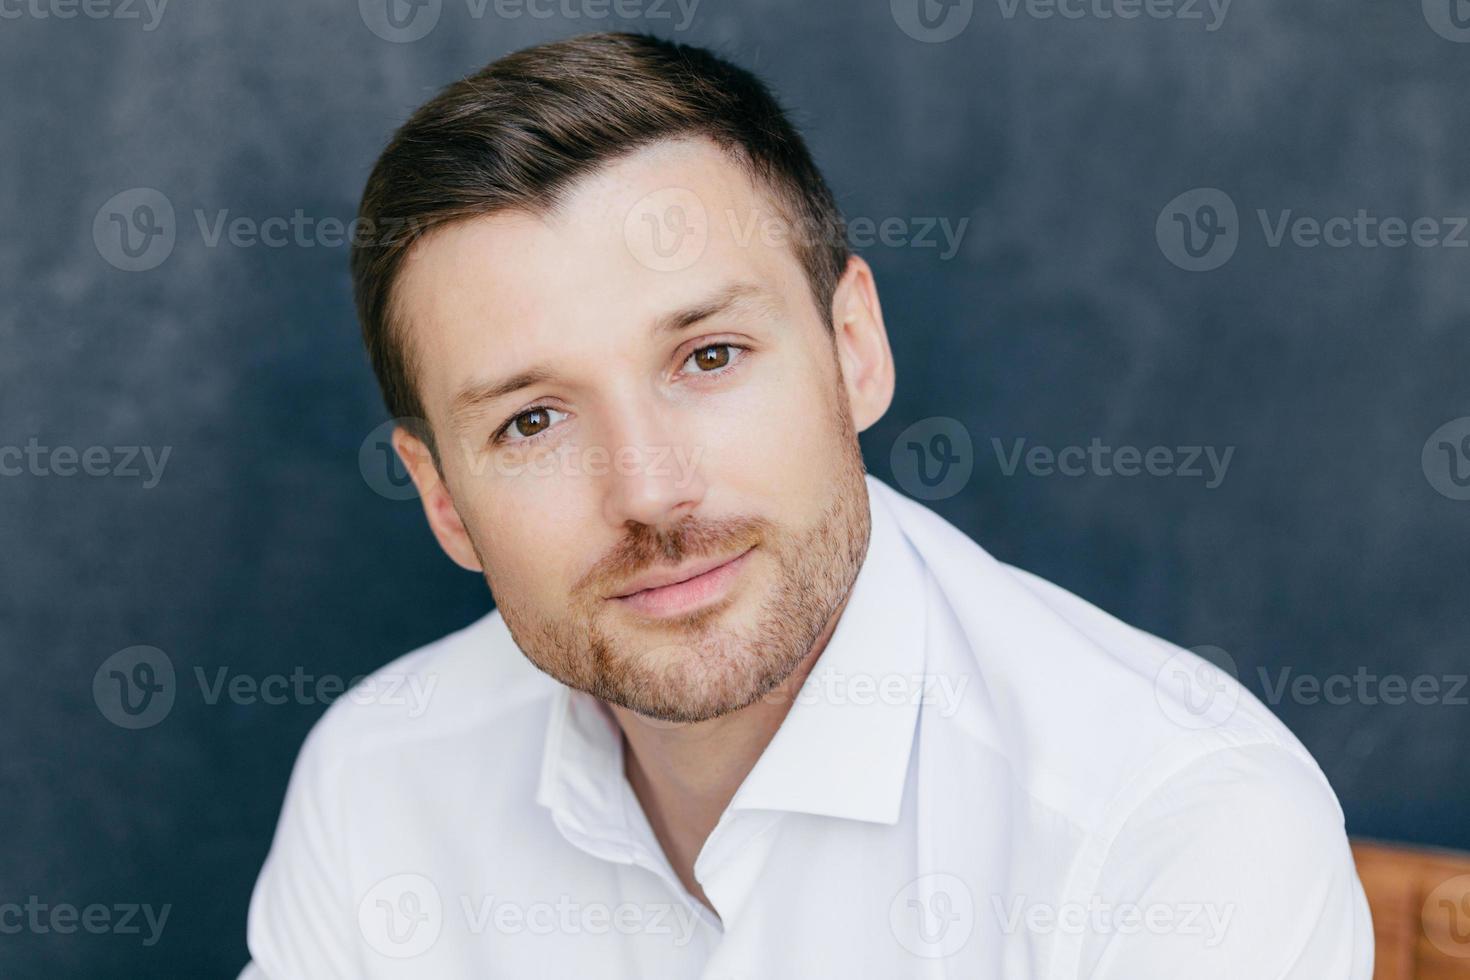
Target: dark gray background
1327, 549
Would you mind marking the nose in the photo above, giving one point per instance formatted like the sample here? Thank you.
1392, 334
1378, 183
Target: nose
652, 476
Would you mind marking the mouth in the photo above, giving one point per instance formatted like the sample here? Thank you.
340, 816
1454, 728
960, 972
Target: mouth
678, 591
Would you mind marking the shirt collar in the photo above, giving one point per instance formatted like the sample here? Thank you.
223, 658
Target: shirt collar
843, 748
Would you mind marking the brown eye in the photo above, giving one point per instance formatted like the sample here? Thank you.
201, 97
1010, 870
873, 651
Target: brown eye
712, 358
528, 424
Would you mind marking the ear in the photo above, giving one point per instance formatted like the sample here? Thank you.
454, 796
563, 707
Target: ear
862, 344
444, 519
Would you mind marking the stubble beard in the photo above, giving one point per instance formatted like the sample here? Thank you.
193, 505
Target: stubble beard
693, 668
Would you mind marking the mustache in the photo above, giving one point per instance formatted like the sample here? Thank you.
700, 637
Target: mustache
646, 546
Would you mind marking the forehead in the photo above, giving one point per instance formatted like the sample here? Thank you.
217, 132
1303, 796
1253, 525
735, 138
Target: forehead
652, 232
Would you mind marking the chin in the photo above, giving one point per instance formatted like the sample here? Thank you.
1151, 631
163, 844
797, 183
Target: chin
698, 679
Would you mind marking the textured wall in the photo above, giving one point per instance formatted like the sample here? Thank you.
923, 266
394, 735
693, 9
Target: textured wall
1059, 303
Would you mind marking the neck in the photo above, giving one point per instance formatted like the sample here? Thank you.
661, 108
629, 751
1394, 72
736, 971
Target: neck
685, 775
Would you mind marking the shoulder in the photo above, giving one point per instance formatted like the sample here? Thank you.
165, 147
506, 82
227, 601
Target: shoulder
1200, 836
1160, 712
1234, 865
404, 727
473, 678
1091, 713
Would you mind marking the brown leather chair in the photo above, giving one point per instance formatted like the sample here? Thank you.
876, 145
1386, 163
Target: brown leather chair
1421, 910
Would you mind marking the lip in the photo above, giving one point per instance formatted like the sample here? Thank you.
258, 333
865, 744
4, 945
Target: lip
680, 590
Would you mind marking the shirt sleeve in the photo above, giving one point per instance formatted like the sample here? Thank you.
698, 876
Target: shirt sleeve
1236, 868
302, 923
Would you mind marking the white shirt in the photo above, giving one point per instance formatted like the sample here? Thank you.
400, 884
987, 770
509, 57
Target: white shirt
984, 777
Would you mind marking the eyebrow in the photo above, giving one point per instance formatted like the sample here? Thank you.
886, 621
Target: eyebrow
734, 295
477, 395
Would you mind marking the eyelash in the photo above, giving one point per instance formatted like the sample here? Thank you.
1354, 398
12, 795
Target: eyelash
499, 437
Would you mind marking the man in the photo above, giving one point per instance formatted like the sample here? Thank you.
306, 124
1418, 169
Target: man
742, 711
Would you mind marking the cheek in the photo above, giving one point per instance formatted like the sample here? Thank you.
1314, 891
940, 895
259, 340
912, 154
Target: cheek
776, 437
526, 529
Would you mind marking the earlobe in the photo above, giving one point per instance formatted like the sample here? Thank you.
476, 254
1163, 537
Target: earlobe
861, 338
439, 508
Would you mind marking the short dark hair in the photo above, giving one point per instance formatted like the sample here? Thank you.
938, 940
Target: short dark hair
518, 133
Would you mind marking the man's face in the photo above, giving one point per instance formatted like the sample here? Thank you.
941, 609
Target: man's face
646, 439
